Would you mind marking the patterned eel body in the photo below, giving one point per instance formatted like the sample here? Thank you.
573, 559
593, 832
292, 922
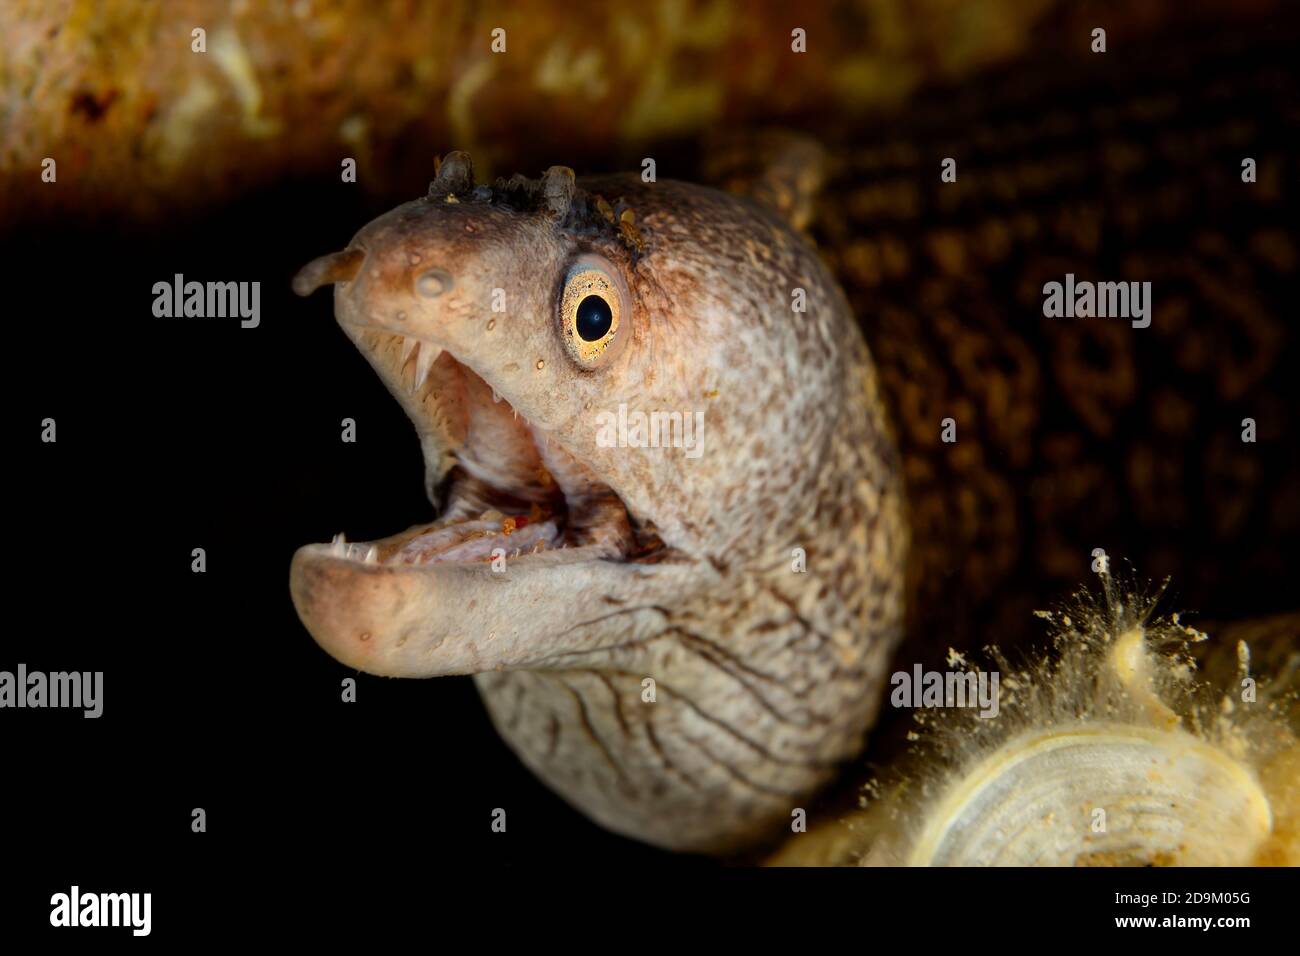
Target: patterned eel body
1082, 433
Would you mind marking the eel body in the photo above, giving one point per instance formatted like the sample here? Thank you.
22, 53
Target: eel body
1080, 433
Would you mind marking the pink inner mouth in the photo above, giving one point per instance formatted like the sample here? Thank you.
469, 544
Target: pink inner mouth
510, 490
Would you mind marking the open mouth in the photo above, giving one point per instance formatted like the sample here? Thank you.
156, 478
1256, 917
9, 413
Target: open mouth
503, 488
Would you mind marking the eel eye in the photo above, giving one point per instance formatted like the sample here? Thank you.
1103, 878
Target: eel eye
591, 310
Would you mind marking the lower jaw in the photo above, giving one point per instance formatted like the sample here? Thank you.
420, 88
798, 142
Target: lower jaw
476, 599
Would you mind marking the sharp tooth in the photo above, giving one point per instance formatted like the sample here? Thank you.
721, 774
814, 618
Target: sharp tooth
415, 379
425, 362
372, 554
408, 346
338, 545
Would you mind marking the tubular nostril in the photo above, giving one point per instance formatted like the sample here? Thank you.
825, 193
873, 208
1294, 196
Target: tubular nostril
335, 267
433, 283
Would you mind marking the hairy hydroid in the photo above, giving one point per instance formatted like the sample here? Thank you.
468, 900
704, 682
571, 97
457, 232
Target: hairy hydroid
1108, 749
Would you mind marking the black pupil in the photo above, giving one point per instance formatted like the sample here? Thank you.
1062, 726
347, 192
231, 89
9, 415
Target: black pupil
594, 318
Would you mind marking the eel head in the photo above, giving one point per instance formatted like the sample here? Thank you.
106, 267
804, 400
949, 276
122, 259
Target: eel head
625, 427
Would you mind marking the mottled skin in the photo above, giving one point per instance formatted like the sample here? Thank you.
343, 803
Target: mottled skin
1086, 433
766, 678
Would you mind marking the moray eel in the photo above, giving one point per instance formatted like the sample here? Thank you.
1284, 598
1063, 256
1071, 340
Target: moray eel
685, 643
